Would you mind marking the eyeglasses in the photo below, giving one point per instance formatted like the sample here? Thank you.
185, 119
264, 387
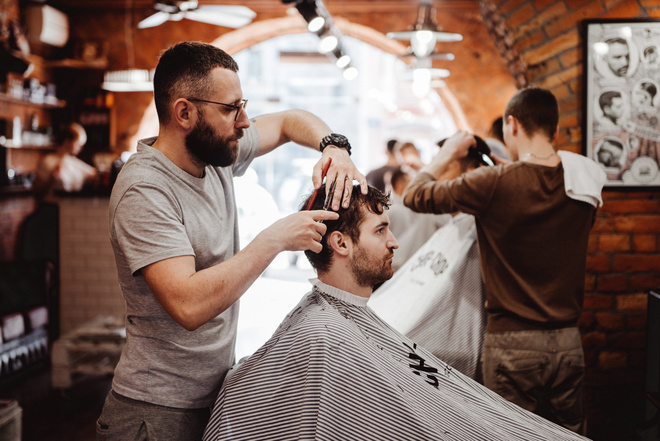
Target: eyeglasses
232, 106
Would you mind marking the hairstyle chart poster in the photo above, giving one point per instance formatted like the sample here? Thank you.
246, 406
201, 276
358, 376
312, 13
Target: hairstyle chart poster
623, 101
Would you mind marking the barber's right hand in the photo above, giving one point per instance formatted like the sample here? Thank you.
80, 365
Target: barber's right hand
303, 230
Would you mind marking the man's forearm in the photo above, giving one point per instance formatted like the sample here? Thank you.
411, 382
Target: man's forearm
424, 194
304, 128
296, 125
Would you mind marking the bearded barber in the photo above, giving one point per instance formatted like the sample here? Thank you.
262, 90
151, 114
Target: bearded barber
173, 228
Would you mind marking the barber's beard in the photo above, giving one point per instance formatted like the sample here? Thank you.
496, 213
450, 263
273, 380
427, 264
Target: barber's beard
207, 148
370, 270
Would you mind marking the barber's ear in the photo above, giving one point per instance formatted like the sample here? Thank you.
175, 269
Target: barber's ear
514, 125
339, 243
182, 113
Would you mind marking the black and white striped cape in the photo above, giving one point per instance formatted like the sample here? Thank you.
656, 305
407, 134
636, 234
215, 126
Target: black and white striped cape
334, 370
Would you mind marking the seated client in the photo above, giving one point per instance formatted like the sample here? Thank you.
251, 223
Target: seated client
334, 370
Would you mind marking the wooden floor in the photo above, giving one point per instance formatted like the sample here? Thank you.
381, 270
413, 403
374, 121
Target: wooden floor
52, 415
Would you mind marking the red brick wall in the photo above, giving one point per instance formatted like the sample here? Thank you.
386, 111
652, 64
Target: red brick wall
541, 43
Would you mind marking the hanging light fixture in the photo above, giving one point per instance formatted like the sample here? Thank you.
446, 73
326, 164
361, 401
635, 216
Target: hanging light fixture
425, 33
319, 22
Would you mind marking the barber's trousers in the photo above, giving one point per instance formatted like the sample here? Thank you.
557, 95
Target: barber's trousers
124, 419
540, 371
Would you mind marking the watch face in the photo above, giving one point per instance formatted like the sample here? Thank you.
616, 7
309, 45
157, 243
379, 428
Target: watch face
338, 140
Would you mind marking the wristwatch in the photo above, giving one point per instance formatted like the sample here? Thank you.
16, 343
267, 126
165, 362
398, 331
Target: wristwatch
336, 140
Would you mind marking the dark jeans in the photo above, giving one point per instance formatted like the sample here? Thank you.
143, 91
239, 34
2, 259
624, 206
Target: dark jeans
124, 419
540, 371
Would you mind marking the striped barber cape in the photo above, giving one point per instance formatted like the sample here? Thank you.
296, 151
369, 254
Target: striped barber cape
334, 370
437, 297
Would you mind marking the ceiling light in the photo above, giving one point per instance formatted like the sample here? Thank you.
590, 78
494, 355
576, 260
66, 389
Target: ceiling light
129, 80
328, 43
316, 24
425, 33
350, 73
343, 61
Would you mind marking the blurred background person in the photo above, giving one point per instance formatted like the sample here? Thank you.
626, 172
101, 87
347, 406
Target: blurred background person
378, 177
402, 155
63, 170
495, 139
408, 157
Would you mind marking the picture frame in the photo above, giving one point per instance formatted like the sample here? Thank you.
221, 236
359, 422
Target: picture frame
621, 100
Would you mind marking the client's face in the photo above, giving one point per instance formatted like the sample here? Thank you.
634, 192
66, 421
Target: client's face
372, 254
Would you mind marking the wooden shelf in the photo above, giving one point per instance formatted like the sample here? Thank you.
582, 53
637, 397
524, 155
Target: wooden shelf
70, 63
29, 146
13, 100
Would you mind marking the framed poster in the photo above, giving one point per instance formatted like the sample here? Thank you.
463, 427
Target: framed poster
622, 100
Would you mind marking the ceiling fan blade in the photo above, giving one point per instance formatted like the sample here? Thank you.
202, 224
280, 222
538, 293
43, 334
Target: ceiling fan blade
227, 16
240, 11
154, 20
447, 36
439, 36
438, 56
439, 73
405, 35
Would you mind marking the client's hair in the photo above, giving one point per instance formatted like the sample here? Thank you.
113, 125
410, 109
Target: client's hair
349, 220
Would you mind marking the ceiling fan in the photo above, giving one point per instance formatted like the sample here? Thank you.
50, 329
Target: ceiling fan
425, 33
221, 15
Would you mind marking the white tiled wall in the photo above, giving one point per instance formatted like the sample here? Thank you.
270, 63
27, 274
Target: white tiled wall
88, 275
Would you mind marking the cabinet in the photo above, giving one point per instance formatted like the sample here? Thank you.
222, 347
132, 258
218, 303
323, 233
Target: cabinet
30, 110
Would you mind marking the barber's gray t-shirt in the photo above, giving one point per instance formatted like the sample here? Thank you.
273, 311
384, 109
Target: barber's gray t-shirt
159, 211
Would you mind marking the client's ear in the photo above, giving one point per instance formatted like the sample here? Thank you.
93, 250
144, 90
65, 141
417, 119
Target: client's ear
338, 242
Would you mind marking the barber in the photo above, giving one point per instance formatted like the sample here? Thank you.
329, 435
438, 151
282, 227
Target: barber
173, 228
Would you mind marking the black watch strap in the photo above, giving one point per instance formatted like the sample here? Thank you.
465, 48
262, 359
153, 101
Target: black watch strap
336, 140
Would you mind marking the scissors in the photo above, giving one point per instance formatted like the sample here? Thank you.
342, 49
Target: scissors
332, 189
329, 194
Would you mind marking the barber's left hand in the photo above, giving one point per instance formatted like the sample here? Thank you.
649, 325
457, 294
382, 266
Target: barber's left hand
343, 171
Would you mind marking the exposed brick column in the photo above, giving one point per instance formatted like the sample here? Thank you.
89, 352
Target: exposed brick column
504, 40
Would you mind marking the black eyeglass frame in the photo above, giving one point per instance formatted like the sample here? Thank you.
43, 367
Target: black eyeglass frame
232, 106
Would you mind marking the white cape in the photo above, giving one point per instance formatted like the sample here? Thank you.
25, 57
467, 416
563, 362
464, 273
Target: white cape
335, 371
437, 297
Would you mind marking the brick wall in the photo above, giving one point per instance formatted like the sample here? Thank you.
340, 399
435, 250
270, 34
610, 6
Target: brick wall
88, 275
541, 42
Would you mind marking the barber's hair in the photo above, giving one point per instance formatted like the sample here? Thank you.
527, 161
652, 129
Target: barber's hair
536, 109
605, 99
183, 71
349, 220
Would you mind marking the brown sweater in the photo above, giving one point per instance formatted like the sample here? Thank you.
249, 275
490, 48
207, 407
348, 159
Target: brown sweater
532, 240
